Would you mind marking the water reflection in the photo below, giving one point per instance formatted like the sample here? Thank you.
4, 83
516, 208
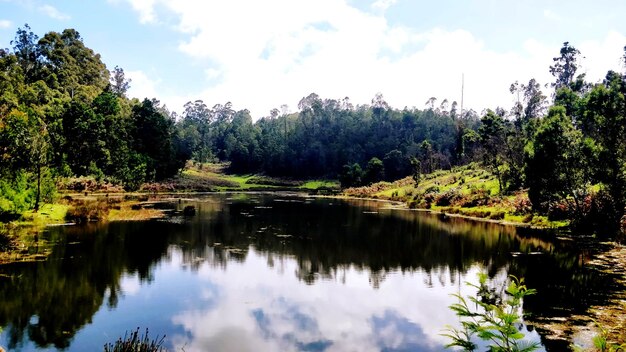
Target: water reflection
275, 313
255, 272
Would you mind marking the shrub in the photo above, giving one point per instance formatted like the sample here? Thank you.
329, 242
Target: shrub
432, 189
528, 218
16, 196
87, 210
522, 205
498, 215
495, 320
448, 198
559, 211
477, 197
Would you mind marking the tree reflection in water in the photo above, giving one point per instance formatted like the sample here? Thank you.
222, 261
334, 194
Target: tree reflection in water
48, 302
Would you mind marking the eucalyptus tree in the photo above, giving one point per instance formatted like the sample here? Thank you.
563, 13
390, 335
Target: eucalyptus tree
118, 81
559, 161
492, 134
195, 127
565, 66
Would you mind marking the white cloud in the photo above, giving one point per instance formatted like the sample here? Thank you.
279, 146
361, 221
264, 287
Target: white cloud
268, 53
551, 15
53, 12
141, 85
144, 86
130, 284
382, 5
602, 56
5, 24
146, 10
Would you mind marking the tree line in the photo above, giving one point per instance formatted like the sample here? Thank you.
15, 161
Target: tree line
63, 113
567, 149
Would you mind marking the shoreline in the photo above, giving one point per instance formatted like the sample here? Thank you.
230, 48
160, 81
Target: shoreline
34, 226
455, 215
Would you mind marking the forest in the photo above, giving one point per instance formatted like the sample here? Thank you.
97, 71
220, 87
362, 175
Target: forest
63, 113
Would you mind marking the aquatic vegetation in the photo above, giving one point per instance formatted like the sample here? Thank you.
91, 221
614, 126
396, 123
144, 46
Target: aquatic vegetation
136, 343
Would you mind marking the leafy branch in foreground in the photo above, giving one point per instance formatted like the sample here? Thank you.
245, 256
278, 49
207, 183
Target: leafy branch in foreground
494, 319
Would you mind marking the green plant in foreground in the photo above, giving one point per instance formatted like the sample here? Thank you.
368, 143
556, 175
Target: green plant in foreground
494, 319
136, 343
601, 342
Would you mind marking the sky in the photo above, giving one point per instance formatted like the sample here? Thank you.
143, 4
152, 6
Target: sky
260, 55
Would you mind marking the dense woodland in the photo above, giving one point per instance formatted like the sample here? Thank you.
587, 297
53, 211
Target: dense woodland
63, 113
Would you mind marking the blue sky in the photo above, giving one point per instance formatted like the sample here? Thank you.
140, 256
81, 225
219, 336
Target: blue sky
262, 54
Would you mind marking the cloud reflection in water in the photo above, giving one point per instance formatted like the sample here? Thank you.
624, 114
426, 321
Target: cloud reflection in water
259, 308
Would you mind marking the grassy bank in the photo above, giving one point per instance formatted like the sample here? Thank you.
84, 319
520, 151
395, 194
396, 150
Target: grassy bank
466, 191
207, 177
85, 199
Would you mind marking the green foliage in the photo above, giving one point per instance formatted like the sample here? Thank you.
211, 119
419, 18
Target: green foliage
15, 196
396, 165
374, 172
351, 175
416, 170
565, 66
492, 138
601, 341
59, 114
558, 162
495, 319
136, 343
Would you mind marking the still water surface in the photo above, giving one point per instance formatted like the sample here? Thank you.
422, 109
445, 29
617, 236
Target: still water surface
279, 273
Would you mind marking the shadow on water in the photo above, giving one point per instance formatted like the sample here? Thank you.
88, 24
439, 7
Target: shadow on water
48, 302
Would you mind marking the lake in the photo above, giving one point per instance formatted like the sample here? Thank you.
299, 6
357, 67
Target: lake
279, 272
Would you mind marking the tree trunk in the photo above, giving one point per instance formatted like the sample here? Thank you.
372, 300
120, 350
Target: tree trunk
38, 194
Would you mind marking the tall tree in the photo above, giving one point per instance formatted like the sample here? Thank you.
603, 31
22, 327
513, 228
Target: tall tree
195, 127
565, 66
119, 83
604, 121
558, 163
492, 134
71, 67
152, 136
27, 53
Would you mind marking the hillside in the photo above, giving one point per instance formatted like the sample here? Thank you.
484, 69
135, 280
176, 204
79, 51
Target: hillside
469, 190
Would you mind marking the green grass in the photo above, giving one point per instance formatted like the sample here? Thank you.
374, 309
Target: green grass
228, 182
470, 183
240, 180
317, 184
47, 214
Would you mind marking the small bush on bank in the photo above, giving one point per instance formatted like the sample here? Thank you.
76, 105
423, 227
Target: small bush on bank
87, 210
478, 197
448, 198
88, 184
